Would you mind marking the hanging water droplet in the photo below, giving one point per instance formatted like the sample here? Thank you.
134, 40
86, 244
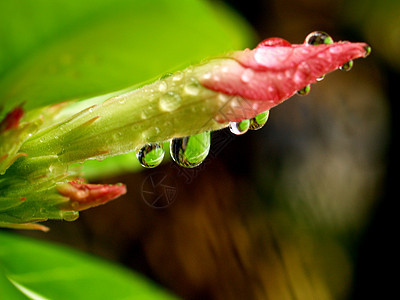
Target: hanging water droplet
170, 101
318, 38
259, 121
150, 155
69, 215
321, 78
305, 90
367, 49
239, 128
190, 151
193, 87
347, 66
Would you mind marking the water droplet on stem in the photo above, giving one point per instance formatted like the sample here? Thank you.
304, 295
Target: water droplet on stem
170, 101
193, 87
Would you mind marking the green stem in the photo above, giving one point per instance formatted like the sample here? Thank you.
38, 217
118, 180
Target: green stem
174, 106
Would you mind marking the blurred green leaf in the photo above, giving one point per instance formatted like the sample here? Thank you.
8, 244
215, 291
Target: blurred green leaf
43, 271
52, 51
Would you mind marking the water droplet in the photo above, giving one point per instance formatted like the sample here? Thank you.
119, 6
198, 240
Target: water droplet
239, 128
190, 151
177, 76
170, 101
150, 133
207, 76
367, 49
69, 215
347, 66
247, 75
162, 87
318, 38
150, 155
320, 78
305, 90
121, 100
166, 75
259, 121
193, 87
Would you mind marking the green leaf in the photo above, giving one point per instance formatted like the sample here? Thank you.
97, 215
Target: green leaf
43, 271
58, 50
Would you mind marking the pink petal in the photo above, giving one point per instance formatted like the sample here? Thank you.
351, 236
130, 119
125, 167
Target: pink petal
83, 196
272, 72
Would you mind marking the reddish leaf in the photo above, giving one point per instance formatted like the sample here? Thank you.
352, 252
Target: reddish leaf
11, 121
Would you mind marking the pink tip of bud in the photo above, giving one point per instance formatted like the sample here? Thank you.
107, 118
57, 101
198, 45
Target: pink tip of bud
83, 196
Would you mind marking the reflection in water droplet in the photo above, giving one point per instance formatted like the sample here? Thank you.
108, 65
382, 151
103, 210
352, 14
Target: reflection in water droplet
170, 101
347, 66
321, 78
190, 151
259, 121
305, 90
367, 49
150, 155
193, 87
318, 38
239, 128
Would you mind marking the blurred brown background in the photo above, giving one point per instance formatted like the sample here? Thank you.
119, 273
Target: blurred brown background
302, 209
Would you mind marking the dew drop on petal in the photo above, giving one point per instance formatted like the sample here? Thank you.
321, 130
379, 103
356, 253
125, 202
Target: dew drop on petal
239, 128
320, 78
150, 155
305, 90
259, 121
247, 75
170, 101
347, 66
318, 38
190, 151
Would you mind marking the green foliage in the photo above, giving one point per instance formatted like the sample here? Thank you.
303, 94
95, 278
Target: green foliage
41, 271
60, 50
